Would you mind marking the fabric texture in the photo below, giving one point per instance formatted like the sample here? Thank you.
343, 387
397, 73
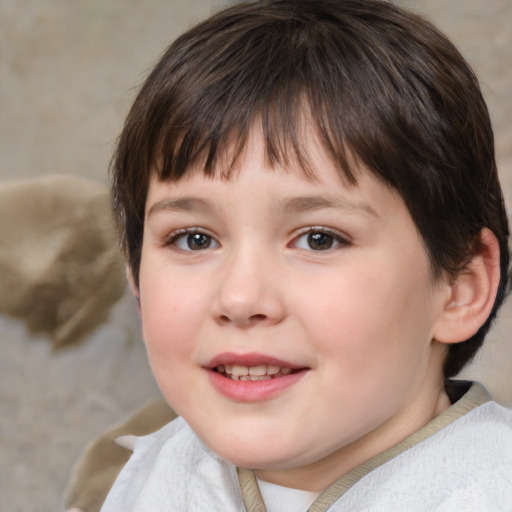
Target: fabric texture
172, 470
466, 466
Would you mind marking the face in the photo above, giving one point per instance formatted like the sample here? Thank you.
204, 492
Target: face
289, 320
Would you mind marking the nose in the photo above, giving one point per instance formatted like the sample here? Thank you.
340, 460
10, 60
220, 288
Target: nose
249, 293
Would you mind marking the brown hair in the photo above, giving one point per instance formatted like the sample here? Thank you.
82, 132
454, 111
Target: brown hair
378, 83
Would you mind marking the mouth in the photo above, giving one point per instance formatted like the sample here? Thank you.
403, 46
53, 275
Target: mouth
253, 373
253, 377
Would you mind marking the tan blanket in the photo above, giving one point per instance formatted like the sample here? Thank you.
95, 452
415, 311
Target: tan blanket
60, 268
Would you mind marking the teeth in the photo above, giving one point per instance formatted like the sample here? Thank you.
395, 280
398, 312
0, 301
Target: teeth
252, 373
255, 377
238, 370
258, 370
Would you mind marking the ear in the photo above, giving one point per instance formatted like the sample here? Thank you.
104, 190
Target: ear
473, 293
133, 287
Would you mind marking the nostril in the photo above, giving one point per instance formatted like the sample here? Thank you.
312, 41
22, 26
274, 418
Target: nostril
242, 321
257, 318
224, 319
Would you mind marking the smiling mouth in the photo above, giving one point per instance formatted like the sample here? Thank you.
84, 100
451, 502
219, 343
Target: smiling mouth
253, 373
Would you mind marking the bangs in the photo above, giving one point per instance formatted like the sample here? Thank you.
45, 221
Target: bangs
288, 128
208, 127
295, 71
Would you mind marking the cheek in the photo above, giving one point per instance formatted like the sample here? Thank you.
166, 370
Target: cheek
168, 317
349, 307
366, 324
168, 332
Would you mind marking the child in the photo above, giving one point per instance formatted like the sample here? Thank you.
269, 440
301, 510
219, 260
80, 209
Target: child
315, 232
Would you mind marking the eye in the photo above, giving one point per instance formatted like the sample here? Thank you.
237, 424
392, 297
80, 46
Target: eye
193, 241
319, 239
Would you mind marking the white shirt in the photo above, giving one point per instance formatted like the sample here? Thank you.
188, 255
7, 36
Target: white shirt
285, 499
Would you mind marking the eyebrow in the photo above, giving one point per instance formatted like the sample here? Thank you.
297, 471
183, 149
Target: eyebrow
311, 203
292, 205
181, 204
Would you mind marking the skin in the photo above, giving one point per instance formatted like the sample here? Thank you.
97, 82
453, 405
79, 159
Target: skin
332, 279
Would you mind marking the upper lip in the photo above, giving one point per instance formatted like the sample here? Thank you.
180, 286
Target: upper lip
249, 359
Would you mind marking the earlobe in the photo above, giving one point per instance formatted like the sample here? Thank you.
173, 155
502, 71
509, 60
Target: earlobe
473, 293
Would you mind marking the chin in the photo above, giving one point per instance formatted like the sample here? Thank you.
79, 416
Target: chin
252, 454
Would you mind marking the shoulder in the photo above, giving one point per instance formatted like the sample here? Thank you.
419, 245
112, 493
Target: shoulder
102, 460
467, 465
482, 437
172, 469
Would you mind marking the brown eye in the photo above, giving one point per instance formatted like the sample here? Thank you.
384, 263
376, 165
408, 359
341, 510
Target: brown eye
198, 241
320, 241
194, 241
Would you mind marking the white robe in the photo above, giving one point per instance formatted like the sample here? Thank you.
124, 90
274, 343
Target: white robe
465, 466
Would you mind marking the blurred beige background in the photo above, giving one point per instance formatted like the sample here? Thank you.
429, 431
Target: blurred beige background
68, 71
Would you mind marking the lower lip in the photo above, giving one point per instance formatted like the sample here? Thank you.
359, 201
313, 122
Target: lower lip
253, 391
